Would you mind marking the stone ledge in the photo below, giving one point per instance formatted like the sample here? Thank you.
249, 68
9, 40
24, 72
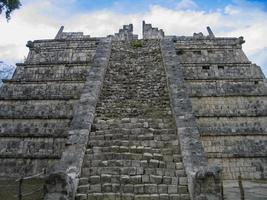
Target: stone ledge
54, 64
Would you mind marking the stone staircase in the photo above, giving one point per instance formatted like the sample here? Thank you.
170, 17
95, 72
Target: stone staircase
133, 150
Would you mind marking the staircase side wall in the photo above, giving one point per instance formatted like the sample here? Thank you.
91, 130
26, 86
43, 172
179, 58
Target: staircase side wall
204, 181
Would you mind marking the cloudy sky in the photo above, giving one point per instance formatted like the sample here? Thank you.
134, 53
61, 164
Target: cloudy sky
41, 19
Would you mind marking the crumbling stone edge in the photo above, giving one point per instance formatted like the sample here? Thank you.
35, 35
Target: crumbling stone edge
204, 182
62, 180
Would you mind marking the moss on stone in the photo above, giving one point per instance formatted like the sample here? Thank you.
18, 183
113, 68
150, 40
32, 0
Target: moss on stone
136, 44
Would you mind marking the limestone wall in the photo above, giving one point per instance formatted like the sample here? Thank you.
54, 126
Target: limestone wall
50, 51
230, 106
227, 88
222, 71
150, 32
223, 126
228, 96
50, 72
62, 91
126, 33
36, 105
63, 177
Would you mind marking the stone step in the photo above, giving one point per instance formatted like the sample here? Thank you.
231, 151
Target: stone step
143, 136
133, 188
131, 196
134, 130
132, 124
158, 153
127, 142
149, 170
128, 120
139, 93
133, 163
131, 130
132, 111
144, 61
132, 152
133, 156
133, 179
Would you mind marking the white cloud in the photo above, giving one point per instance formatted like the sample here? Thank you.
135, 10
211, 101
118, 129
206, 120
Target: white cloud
29, 23
261, 58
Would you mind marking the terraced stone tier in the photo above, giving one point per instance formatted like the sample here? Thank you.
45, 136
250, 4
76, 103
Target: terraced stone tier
230, 106
221, 71
133, 149
9, 188
36, 109
55, 128
206, 51
31, 147
14, 167
228, 95
51, 72
41, 90
226, 88
204, 56
50, 51
223, 126
36, 105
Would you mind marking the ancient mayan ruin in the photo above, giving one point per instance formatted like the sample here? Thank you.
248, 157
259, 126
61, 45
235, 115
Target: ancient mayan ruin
122, 118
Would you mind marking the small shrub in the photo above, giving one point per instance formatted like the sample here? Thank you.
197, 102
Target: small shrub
136, 44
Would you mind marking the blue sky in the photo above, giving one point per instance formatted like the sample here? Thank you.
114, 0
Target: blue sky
133, 6
130, 6
41, 19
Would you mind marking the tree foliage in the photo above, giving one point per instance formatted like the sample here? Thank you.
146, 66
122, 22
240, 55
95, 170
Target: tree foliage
7, 6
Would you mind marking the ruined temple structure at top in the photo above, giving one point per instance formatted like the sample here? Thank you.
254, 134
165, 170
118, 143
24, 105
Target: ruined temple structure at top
117, 118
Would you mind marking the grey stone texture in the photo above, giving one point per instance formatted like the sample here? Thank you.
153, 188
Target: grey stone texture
37, 104
228, 96
166, 117
70, 35
211, 34
256, 190
152, 33
133, 145
126, 33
